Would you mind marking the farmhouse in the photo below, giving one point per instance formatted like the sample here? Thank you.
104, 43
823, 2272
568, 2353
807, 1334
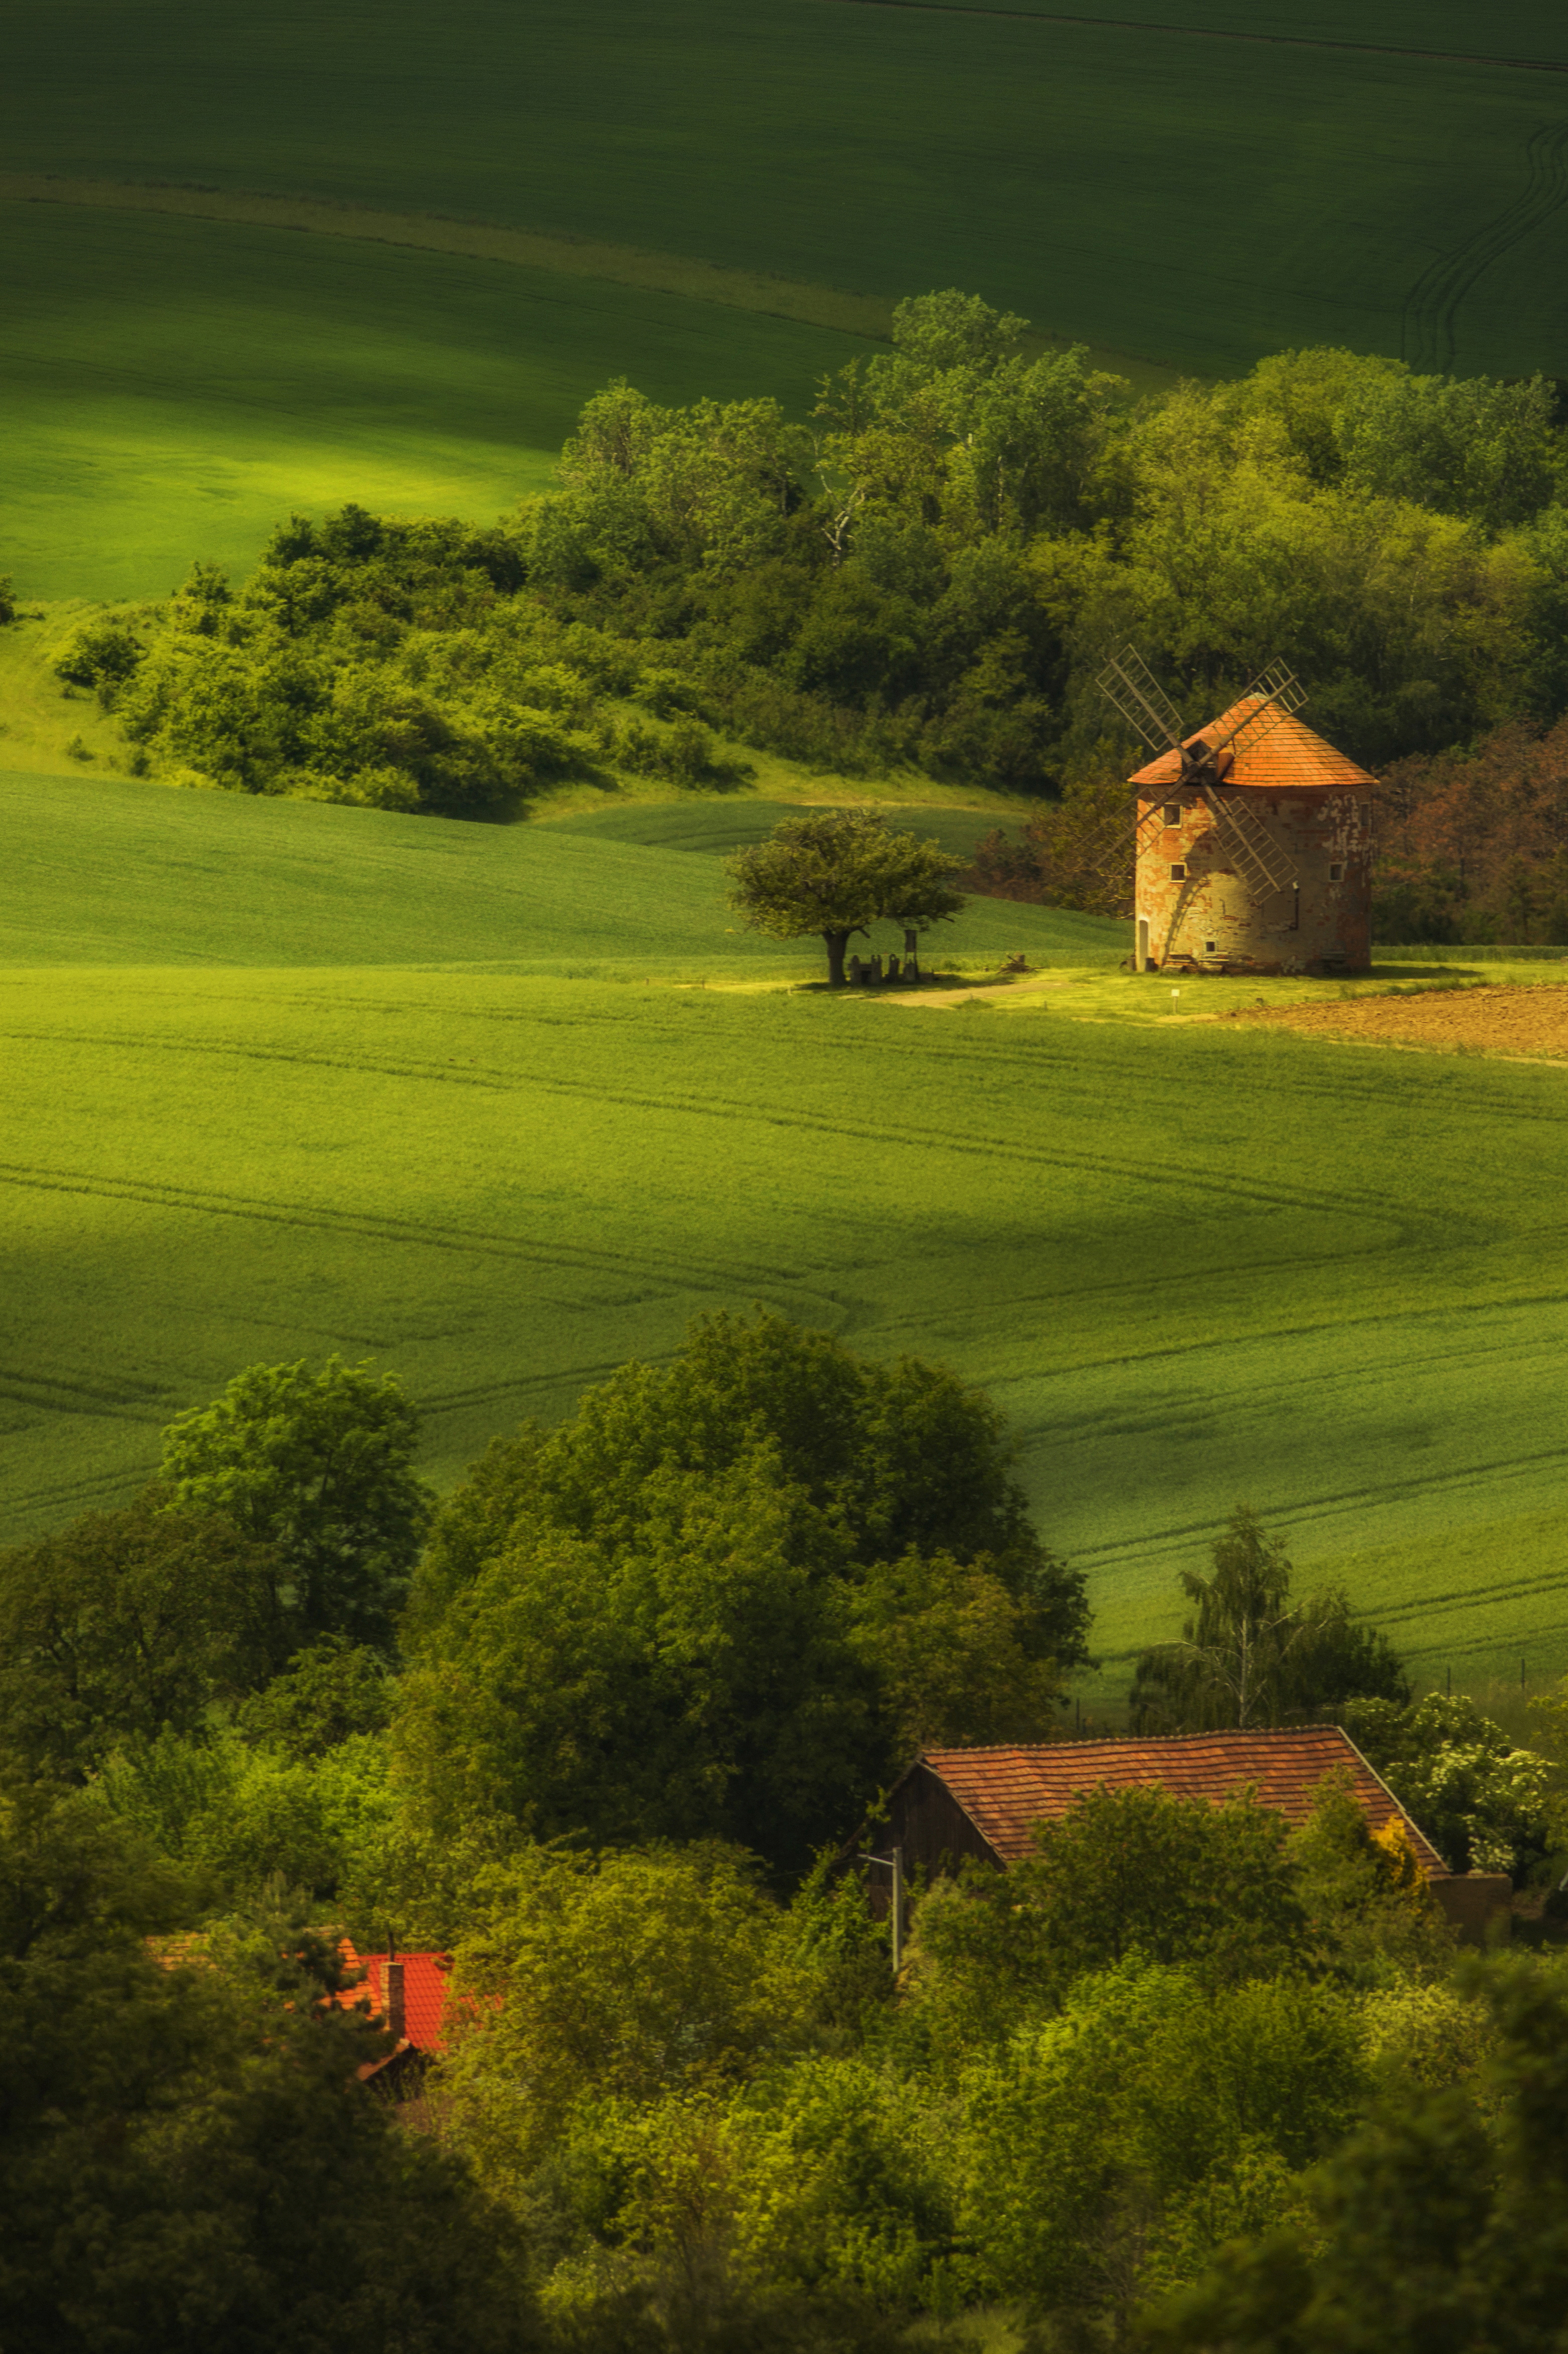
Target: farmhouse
1257, 855
956, 1804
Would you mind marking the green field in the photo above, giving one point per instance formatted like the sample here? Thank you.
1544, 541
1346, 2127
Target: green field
112, 872
174, 387
1197, 190
285, 1078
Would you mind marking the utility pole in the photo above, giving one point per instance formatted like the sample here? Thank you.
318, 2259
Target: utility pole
893, 1862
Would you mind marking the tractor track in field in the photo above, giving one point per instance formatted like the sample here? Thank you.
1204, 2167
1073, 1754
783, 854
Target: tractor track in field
1335, 1502
681, 1104
1429, 334
556, 1258
517, 247
1216, 33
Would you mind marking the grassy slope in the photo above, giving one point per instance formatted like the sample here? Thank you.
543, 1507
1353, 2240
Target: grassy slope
176, 387
1053, 164
716, 827
115, 872
1518, 28
177, 380
1194, 1263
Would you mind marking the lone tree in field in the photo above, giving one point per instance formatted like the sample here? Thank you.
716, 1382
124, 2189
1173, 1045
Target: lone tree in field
840, 872
1250, 1655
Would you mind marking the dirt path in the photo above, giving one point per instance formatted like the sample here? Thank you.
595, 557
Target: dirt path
940, 998
1511, 1020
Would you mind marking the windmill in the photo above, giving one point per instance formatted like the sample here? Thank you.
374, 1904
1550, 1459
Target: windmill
1207, 759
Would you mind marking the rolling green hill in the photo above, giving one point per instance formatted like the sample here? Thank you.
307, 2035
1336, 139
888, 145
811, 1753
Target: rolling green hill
1194, 185
284, 1079
103, 872
174, 387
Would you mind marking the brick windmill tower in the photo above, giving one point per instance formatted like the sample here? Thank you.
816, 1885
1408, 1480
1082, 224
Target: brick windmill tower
1253, 841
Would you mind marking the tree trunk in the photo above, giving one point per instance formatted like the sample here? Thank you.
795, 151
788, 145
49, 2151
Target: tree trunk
836, 943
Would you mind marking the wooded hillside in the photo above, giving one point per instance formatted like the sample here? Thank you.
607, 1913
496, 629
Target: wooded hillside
928, 576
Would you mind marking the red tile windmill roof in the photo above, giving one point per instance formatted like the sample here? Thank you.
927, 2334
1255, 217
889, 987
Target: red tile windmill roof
1288, 758
1005, 1792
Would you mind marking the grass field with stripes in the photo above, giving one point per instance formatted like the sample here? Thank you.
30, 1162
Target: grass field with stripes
234, 281
285, 1079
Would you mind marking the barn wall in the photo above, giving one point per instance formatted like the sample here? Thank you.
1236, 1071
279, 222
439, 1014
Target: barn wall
1209, 915
932, 1828
1478, 1905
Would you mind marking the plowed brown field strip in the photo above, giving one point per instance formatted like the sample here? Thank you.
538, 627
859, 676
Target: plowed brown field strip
1508, 1021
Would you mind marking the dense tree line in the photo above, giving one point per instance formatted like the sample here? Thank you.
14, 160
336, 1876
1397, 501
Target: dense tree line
926, 575
599, 1724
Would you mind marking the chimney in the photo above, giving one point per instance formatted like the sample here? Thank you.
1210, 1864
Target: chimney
392, 1987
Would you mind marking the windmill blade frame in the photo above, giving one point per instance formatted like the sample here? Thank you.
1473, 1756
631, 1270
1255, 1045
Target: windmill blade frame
1128, 683
1122, 847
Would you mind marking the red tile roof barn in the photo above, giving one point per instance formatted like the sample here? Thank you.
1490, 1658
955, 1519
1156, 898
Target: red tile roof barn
1005, 1792
1288, 758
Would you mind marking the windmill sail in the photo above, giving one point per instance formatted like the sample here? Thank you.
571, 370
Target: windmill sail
1115, 856
1207, 760
1127, 682
1261, 864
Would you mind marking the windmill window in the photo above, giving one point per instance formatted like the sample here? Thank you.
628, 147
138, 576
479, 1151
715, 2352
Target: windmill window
1336, 873
1173, 813
1209, 946
1178, 873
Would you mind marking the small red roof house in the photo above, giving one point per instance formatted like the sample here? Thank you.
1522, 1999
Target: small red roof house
407, 1994
955, 1804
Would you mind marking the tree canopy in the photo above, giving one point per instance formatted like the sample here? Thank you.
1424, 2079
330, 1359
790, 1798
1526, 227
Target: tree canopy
318, 1465
186, 2157
837, 874
1251, 1655
726, 1595
926, 574
127, 1621
1143, 2088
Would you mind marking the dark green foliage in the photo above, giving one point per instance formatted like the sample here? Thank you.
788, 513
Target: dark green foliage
105, 657
684, 1680
673, 1616
1366, 1918
1250, 1656
1176, 1880
1114, 2147
931, 577
127, 1621
718, 1604
319, 1466
1439, 2225
327, 1693
188, 2158
365, 662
